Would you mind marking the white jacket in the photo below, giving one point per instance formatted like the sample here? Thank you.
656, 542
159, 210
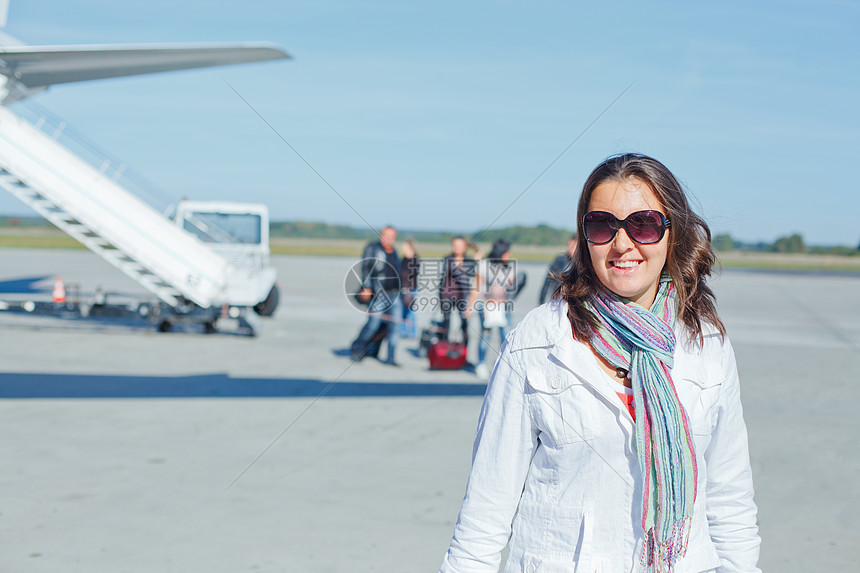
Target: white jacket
554, 467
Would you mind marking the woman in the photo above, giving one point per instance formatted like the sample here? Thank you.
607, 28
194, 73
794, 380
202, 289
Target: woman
457, 272
576, 478
492, 297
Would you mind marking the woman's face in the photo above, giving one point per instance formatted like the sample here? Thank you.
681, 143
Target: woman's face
625, 267
459, 247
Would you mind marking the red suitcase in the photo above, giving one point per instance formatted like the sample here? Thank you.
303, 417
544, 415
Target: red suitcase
446, 355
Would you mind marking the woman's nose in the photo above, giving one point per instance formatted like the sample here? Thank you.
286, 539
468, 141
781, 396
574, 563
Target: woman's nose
622, 241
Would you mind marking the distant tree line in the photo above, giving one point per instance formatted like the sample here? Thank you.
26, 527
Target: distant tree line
519, 235
788, 244
26, 221
311, 230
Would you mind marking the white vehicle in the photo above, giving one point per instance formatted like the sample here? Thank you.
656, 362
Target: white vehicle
197, 276
239, 232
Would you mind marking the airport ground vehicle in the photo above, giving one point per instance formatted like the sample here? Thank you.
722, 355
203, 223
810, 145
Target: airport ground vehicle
239, 232
210, 262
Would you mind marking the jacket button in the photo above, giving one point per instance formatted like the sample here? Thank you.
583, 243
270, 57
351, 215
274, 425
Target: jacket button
556, 382
531, 568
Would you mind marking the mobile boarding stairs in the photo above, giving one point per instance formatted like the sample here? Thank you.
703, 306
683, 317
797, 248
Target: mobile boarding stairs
192, 282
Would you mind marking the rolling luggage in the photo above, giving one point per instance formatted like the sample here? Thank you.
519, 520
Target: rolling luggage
429, 336
446, 355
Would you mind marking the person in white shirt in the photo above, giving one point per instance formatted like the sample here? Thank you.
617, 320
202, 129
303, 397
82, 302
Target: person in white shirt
492, 297
611, 437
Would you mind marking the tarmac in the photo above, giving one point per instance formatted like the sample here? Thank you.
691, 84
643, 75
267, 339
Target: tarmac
129, 450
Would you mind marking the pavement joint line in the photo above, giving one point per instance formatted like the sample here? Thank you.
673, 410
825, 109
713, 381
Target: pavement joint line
294, 421
831, 329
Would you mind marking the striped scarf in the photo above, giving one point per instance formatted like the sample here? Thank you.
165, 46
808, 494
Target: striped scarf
642, 342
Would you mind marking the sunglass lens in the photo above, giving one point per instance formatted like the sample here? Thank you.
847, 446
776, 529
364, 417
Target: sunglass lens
645, 227
599, 227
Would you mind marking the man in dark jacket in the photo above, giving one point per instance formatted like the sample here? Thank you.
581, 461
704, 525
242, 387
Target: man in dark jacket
558, 266
380, 291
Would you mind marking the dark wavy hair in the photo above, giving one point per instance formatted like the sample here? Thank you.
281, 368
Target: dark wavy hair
500, 247
690, 256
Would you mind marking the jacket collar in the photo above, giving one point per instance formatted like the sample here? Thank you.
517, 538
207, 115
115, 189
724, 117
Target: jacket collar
548, 327
544, 326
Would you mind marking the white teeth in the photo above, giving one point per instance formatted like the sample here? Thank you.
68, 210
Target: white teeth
625, 264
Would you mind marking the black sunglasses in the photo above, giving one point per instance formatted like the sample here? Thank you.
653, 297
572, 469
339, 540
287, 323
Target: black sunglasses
644, 227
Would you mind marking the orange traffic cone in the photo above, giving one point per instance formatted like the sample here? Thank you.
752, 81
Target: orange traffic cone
59, 290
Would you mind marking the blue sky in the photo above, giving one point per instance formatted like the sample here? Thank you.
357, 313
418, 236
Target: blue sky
437, 115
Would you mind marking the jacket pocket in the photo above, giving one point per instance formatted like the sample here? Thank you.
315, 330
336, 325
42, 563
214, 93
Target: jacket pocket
700, 392
562, 406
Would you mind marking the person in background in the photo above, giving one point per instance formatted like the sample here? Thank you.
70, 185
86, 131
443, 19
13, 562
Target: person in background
410, 268
380, 291
612, 437
558, 266
492, 296
457, 272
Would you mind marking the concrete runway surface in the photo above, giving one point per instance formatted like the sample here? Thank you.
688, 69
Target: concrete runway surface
134, 473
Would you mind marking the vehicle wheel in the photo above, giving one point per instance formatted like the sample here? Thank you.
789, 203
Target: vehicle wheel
209, 328
165, 326
268, 306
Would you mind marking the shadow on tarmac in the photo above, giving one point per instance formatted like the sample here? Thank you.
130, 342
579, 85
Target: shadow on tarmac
29, 385
24, 285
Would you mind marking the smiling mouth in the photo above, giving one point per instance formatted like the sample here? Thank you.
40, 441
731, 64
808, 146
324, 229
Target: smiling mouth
625, 264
